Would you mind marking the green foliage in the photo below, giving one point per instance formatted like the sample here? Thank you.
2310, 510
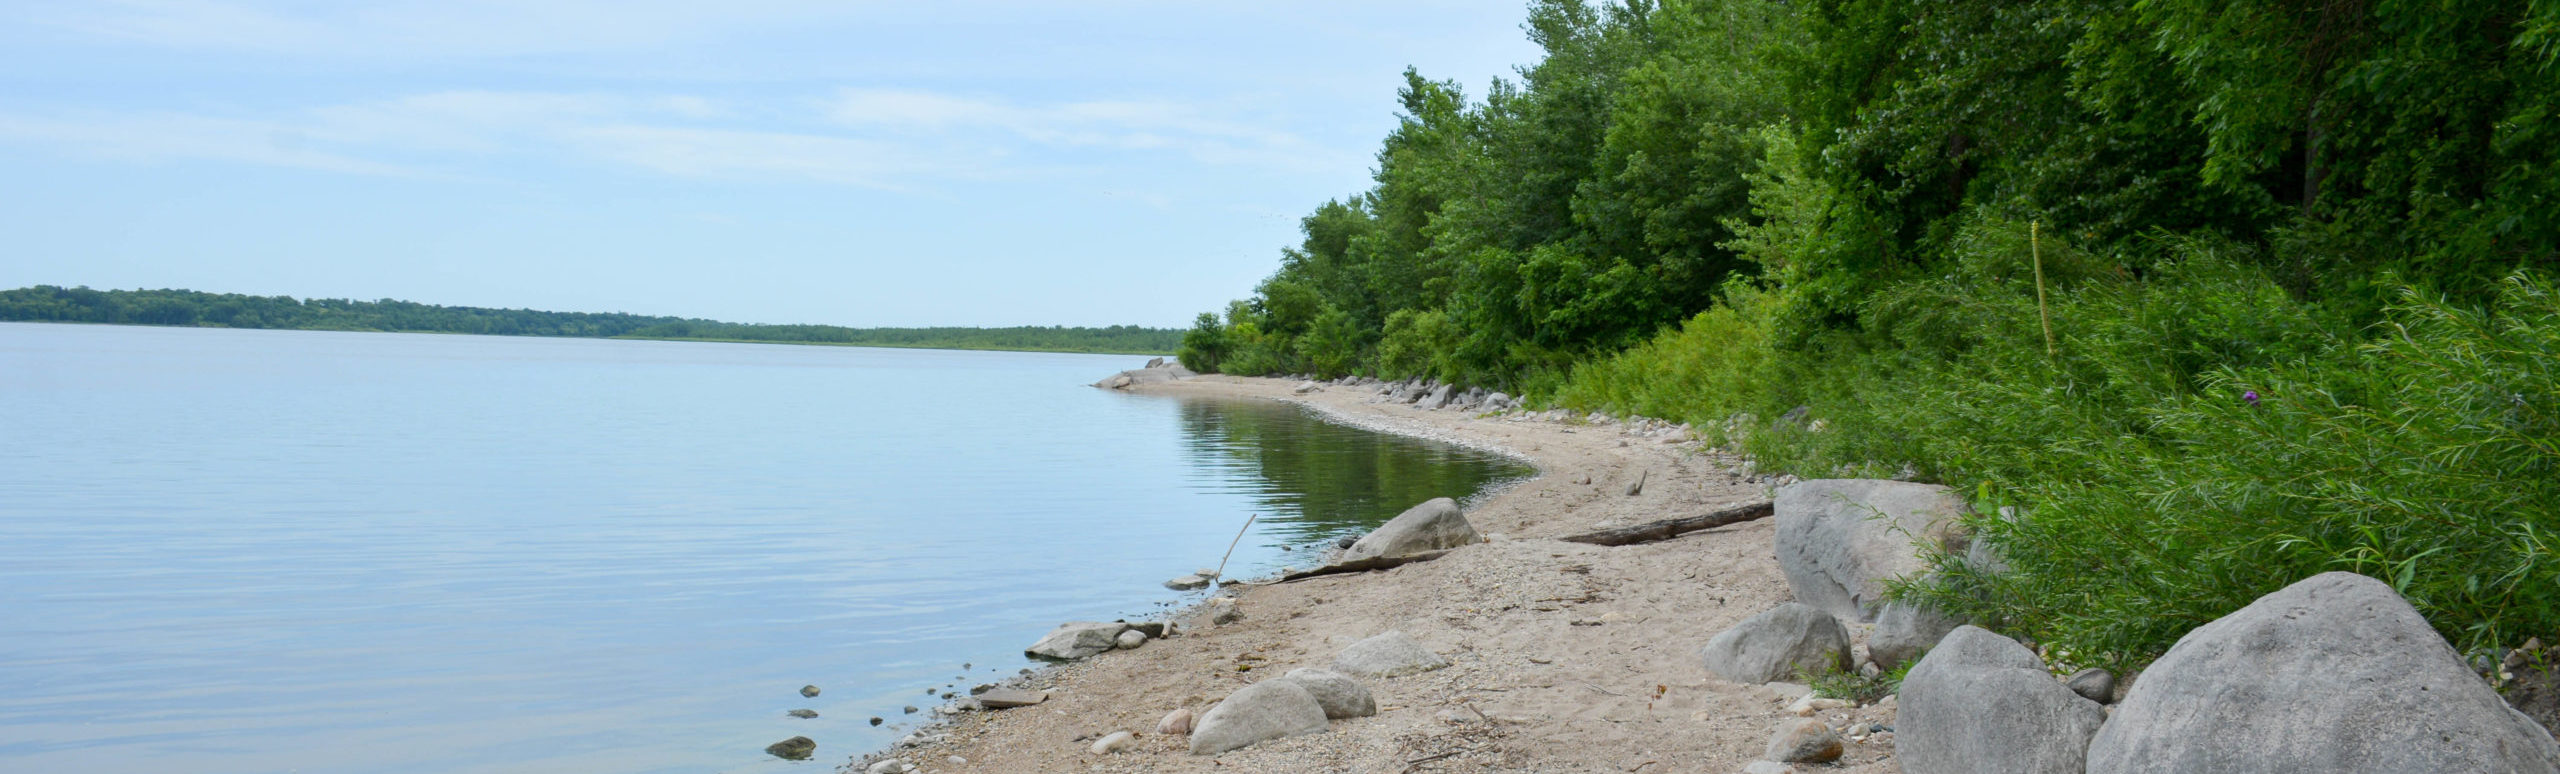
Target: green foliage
46, 303
1851, 686
1204, 347
1713, 210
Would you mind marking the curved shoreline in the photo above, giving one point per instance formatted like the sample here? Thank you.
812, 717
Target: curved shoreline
1566, 657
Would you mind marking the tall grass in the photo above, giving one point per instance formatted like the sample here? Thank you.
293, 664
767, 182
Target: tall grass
2200, 438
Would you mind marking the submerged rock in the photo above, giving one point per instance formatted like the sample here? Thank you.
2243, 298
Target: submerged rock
809, 691
802, 713
797, 748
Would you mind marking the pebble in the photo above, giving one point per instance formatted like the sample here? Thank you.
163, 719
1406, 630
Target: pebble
1117, 741
1805, 741
1768, 767
1131, 639
1175, 723
889, 766
877, 720
802, 713
809, 691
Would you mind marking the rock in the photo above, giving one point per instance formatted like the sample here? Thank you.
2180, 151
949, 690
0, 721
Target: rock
809, 691
1008, 698
1393, 654
1307, 387
1130, 639
1768, 767
1118, 382
1187, 583
1804, 741
1497, 401
888, 766
1222, 610
1341, 696
877, 720
797, 748
2333, 673
803, 714
1777, 644
1839, 540
1439, 397
1983, 702
1345, 541
2093, 684
1431, 526
1806, 705
1155, 362
1075, 640
1905, 630
1117, 741
911, 709
1263, 711
1175, 723
1155, 630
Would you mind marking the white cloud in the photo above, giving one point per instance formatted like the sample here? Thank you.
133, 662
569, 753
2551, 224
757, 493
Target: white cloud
1124, 125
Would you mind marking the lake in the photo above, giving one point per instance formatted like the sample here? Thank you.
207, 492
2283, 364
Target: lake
267, 551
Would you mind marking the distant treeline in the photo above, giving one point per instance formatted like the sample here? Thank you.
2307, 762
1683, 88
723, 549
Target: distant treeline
48, 303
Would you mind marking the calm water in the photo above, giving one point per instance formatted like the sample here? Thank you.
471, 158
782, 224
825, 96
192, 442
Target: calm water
260, 551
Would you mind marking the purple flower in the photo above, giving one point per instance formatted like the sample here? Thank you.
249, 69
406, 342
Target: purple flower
2250, 396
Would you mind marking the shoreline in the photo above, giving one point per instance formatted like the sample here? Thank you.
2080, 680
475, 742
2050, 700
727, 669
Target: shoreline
1566, 657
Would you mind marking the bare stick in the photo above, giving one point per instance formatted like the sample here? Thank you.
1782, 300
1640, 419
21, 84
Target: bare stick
2036, 249
1231, 545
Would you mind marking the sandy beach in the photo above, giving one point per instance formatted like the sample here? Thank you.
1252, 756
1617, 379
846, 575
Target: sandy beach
1565, 657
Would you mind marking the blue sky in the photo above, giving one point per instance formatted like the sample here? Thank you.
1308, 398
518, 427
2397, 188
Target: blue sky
852, 163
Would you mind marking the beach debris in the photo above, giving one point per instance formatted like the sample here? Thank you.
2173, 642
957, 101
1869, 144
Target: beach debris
1652, 532
1008, 698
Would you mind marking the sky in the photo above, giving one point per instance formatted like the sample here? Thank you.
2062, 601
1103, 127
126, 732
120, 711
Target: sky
780, 161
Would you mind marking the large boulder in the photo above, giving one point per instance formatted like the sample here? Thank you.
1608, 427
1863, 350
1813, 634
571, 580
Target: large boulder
1260, 712
1982, 702
1431, 526
1778, 644
1393, 654
1341, 696
1905, 630
2334, 673
1839, 540
1075, 640
1439, 396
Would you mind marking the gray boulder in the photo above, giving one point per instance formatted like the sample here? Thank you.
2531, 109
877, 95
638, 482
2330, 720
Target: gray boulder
1777, 644
1804, 740
1839, 540
1439, 396
1260, 712
1393, 654
1341, 696
1982, 702
2333, 673
2094, 684
1075, 640
1130, 638
1188, 583
1904, 631
1431, 526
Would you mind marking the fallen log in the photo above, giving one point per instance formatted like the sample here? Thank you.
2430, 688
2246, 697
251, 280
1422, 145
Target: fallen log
1666, 530
1361, 565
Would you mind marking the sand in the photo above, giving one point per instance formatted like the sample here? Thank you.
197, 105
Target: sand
1566, 657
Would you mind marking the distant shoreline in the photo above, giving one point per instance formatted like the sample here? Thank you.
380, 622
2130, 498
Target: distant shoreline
176, 308
867, 345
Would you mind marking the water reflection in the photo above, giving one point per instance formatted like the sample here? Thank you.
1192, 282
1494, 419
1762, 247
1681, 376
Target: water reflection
1320, 480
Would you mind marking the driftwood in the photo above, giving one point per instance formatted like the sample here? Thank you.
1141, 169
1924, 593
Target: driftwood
1666, 530
1362, 565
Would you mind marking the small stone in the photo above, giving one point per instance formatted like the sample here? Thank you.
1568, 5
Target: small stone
1006, 698
809, 691
957, 760
877, 720
1768, 767
802, 713
1131, 639
797, 748
1187, 583
1223, 610
1805, 741
1175, 723
909, 709
1117, 741
2093, 684
889, 766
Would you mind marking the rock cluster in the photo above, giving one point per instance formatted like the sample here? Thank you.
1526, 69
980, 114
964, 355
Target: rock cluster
1084, 639
1301, 702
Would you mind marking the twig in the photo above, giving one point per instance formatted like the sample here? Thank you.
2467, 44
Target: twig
2035, 249
1417, 762
1231, 544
